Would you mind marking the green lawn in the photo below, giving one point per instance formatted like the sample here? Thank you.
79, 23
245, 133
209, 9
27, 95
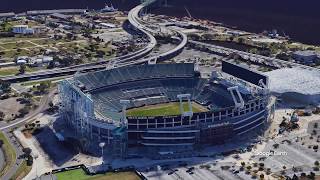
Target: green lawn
166, 109
8, 71
14, 53
16, 45
31, 83
13, 70
9, 152
79, 174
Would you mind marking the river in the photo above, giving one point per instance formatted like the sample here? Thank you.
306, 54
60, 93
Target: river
300, 19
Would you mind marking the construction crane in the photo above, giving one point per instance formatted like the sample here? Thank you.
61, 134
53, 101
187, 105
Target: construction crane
189, 14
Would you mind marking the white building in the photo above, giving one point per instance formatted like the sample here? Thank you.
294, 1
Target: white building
40, 60
22, 29
107, 25
305, 57
22, 60
296, 84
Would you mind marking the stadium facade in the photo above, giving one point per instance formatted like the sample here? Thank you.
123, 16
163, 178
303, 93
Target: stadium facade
94, 105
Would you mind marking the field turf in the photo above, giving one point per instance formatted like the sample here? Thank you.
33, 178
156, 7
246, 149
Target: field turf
79, 174
167, 109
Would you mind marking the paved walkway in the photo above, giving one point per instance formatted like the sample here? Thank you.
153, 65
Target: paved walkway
18, 151
40, 164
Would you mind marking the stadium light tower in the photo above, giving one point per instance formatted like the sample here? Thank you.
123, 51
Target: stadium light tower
101, 145
187, 96
240, 103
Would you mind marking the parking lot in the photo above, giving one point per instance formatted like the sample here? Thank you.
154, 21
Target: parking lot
199, 172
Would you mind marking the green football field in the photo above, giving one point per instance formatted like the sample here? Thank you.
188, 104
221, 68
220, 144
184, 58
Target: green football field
79, 174
167, 109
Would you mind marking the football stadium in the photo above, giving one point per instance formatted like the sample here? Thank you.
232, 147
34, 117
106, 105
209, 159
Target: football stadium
162, 107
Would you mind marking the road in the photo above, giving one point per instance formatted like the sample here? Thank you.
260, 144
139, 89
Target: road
18, 149
43, 105
271, 61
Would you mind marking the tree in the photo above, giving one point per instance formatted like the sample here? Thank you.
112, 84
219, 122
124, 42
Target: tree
243, 163
27, 151
295, 177
5, 86
207, 37
275, 146
27, 95
1, 143
22, 68
261, 176
240, 40
2, 115
311, 175
249, 168
316, 163
268, 170
43, 86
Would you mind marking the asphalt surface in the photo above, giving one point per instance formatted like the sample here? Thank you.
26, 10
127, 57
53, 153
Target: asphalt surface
43, 105
2, 160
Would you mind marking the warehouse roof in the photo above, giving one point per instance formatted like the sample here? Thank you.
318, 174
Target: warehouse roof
295, 80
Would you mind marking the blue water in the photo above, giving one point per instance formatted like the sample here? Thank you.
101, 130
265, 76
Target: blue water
300, 19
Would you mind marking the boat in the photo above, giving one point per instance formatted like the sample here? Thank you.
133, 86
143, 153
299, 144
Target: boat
108, 8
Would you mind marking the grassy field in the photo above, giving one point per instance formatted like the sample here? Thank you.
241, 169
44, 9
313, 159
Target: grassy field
9, 152
16, 45
52, 81
79, 174
13, 70
164, 109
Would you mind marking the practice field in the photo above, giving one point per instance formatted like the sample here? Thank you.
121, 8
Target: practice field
167, 109
79, 174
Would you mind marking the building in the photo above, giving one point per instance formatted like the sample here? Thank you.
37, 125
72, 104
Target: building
107, 25
22, 29
61, 16
94, 105
296, 85
22, 60
306, 57
40, 60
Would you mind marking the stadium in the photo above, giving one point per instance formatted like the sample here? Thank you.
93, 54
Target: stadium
162, 107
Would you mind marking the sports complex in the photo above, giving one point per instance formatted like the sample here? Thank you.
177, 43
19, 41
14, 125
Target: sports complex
164, 107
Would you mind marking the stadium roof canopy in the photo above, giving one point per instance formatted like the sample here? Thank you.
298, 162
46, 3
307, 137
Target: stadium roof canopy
296, 80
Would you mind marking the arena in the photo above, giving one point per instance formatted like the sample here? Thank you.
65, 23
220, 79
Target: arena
161, 107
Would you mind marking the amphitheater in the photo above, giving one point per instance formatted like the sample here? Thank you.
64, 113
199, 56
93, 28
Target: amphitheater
99, 105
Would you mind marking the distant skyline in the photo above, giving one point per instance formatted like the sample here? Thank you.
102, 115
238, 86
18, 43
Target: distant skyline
297, 18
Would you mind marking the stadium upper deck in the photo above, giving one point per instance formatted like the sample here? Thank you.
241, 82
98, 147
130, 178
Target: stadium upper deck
145, 85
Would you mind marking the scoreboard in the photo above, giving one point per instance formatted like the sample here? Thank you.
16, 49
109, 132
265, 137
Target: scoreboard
244, 73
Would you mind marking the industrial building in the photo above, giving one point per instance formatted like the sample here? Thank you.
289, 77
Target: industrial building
22, 29
306, 57
296, 85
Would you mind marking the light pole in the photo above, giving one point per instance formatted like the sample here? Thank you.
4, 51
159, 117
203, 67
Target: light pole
101, 145
35, 158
